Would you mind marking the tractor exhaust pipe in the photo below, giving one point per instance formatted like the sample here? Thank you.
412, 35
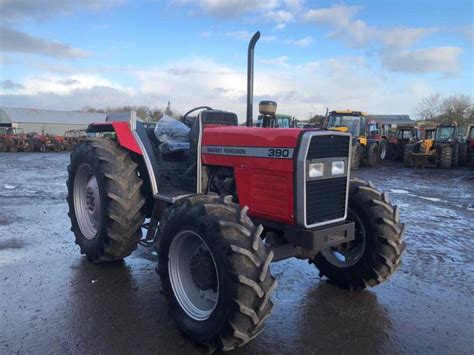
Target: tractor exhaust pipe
250, 70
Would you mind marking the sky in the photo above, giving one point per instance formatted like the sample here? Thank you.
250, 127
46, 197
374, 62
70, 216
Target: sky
382, 57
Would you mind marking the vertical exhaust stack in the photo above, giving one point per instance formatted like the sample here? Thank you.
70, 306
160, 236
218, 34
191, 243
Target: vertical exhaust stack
250, 70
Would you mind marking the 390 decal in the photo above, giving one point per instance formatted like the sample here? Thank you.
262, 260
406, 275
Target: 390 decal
279, 152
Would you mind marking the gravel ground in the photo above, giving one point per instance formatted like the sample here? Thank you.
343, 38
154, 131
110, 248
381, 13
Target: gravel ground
53, 301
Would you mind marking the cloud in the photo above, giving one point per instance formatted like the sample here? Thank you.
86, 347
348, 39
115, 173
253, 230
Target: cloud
468, 32
228, 8
280, 16
344, 26
338, 16
405, 37
10, 85
280, 26
14, 10
437, 59
302, 42
15, 41
299, 88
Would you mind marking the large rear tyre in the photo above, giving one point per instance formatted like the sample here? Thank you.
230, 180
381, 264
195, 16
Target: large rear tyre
446, 158
105, 200
13, 149
214, 270
375, 254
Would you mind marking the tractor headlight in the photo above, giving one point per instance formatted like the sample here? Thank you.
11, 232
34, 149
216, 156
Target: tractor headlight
337, 167
316, 170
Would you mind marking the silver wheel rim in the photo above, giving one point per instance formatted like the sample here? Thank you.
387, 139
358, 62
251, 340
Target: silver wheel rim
197, 303
86, 201
348, 254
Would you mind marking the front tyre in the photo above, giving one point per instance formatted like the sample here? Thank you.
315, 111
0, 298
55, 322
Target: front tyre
375, 253
214, 270
105, 200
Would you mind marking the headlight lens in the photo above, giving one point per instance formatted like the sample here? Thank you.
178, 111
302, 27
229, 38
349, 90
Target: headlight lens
316, 170
337, 167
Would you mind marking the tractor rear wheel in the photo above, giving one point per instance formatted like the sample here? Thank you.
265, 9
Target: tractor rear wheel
446, 158
375, 253
409, 150
3, 146
13, 149
356, 156
214, 270
105, 200
463, 154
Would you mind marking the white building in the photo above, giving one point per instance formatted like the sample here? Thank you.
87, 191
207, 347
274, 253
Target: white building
47, 121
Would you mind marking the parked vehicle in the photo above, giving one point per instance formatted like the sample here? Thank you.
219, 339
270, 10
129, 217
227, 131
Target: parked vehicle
13, 140
72, 137
47, 142
368, 146
467, 154
223, 202
441, 151
404, 135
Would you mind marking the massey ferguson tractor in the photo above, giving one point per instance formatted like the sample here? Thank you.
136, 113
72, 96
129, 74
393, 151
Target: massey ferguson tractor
220, 202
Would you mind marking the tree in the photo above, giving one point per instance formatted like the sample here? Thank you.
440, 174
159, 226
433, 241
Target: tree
429, 108
457, 108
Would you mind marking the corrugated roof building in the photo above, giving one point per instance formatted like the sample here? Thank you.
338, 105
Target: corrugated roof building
47, 121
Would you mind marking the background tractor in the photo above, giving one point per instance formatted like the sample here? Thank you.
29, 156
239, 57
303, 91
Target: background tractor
467, 152
14, 140
404, 135
443, 150
220, 202
72, 137
368, 146
47, 143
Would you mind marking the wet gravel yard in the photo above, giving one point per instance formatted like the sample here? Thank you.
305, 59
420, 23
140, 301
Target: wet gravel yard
53, 301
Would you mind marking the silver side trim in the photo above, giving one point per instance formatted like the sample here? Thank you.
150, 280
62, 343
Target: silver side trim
146, 158
199, 158
301, 177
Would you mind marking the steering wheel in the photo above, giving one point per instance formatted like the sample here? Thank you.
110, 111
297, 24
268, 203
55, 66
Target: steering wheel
189, 123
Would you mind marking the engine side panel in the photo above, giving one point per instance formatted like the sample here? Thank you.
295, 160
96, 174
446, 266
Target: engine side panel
263, 161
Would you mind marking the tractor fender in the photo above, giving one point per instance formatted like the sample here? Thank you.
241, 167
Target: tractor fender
123, 132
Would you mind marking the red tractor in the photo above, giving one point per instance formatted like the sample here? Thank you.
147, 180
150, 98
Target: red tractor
47, 143
404, 135
14, 140
222, 202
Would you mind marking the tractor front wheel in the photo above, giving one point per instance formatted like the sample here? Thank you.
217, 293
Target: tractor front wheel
446, 158
375, 253
356, 156
383, 150
105, 200
214, 270
372, 157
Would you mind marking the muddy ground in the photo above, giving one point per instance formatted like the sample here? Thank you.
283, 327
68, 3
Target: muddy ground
53, 301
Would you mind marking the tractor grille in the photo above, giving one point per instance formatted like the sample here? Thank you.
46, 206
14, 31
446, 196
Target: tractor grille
330, 146
326, 198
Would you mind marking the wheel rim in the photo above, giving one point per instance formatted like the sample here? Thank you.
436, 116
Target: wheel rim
87, 201
348, 254
383, 151
193, 275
